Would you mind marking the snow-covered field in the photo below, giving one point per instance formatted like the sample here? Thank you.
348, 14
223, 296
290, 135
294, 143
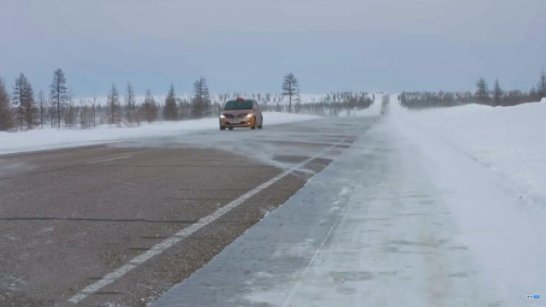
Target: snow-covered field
510, 142
50, 138
489, 165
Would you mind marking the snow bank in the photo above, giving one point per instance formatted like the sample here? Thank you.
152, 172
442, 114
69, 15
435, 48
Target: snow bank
50, 138
509, 141
490, 164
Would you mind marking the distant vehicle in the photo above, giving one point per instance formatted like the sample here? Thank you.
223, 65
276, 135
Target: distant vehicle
241, 113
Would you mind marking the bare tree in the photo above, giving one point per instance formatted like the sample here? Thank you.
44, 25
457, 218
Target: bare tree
6, 118
41, 101
482, 93
201, 99
86, 115
290, 88
171, 109
130, 102
184, 109
150, 109
497, 93
58, 93
541, 88
113, 106
70, 112
94, 111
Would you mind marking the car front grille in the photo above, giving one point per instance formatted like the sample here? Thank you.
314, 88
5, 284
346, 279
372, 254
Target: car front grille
235, 116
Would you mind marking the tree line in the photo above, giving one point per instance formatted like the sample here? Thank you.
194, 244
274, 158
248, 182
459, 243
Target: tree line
496, 96
23, 110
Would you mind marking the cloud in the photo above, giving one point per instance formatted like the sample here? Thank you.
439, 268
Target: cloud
393, 44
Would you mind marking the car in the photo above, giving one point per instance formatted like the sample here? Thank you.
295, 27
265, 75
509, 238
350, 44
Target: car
241, 113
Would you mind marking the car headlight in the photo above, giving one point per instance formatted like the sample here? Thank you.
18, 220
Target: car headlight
222, 116
249, 115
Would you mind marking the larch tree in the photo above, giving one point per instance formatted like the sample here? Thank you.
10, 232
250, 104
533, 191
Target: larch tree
94, 110
482, 92
6, 118
171, 109
541, 88
23, 98
41, 102
85, 114
130, 103
18, 98
497, 93
29, 107
58, 93
113, 106
149, 108
290, 88
70, 112
201, 99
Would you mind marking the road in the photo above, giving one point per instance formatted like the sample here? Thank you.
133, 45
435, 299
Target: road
380, 226
120, 224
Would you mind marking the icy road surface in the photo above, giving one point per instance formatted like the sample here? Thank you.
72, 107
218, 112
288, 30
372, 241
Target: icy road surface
119, 224
53, 138
400, 219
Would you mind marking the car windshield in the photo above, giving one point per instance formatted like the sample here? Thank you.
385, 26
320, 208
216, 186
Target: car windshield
238, 105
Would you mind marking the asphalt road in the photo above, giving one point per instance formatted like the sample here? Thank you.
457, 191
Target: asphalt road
70, 217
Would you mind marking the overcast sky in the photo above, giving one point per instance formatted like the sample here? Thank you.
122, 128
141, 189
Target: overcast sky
248, 45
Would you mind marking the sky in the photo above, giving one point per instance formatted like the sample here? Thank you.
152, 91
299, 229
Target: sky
249, 45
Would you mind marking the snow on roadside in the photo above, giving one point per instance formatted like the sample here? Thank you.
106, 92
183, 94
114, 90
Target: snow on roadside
490, 164
51, 138
510, 141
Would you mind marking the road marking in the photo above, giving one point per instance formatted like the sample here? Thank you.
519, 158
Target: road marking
108, 160
183, 233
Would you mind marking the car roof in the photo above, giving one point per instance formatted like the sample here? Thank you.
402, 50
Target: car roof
242, 100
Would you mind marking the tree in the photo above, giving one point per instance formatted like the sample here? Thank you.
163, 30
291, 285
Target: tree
23, 98
150, 108
86, 117
298, 106
171, 110
290, 88
58, 93
184, 109
70, 113
130, 102
482, 93
94, 110
113, 106
497, 93
41, 101
6, 118
541, 88
18, 99
201, 99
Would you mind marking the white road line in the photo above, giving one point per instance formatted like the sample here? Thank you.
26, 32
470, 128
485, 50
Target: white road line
182, 234
108, 160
